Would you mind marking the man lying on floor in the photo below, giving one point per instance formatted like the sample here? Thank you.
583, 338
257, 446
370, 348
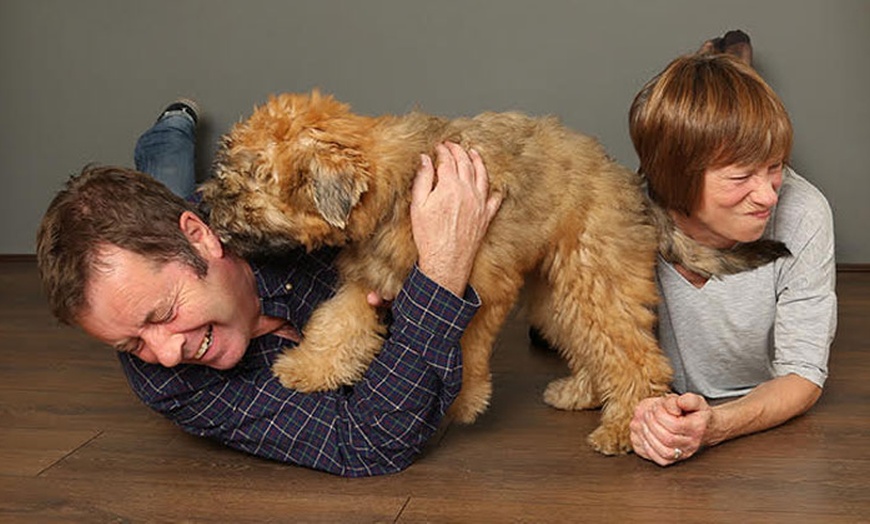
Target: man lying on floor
197, 327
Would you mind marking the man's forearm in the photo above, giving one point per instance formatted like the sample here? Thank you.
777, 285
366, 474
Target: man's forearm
768, 405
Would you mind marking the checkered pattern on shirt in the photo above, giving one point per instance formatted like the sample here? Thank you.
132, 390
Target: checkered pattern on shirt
375, 427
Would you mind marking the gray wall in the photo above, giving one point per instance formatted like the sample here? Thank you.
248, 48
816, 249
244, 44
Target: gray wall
81, 79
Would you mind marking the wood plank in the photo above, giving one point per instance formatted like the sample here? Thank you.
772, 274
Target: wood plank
28, 452
464, 509
76, 410
170, 500
54, 361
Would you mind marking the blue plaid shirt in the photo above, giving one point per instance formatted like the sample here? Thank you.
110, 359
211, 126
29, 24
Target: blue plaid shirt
374, 427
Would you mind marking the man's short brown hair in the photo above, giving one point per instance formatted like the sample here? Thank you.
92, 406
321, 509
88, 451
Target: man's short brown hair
107, 206
704, 112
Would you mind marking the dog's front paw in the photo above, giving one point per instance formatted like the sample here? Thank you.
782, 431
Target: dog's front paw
473, 400
611, 439
308, 371
571, 393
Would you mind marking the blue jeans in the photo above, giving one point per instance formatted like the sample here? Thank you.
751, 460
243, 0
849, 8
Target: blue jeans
166, 151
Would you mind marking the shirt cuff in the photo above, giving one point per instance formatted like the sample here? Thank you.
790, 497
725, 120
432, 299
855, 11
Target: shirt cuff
425, 305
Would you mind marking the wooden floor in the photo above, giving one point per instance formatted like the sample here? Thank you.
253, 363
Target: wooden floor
76, 446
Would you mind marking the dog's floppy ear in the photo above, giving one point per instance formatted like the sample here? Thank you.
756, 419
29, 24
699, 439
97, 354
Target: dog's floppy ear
335, 195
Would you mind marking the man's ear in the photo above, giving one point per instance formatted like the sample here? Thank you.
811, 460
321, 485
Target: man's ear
200, 235
336, 194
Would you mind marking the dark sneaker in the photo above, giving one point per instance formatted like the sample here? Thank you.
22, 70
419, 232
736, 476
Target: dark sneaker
184, 105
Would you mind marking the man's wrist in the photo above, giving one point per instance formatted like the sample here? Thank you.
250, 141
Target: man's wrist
452, 279
427, 305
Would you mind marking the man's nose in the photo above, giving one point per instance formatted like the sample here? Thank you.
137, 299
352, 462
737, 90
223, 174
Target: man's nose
166, 347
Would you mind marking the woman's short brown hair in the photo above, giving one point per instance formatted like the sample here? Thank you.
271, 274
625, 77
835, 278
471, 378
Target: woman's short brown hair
704, 112
100, 207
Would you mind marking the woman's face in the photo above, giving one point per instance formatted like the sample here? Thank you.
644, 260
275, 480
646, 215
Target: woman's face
736, 204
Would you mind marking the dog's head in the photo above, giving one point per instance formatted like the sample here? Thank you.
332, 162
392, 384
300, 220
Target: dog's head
290, 175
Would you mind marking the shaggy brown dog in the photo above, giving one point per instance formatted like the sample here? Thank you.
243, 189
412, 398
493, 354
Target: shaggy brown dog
305, 170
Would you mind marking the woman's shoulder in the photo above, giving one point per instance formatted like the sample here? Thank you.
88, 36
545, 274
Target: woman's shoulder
803, 219
800, 203
798, 192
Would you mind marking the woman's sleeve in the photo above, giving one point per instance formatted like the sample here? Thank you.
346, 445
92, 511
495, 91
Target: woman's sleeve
806, 315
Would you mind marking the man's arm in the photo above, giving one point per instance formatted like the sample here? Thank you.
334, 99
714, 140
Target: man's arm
380, 424
375, 427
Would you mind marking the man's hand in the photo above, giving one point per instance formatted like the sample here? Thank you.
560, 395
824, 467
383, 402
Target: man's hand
671, 428
449, 218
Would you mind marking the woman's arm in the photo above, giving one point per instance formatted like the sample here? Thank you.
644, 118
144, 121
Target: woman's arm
688, 423
768, 405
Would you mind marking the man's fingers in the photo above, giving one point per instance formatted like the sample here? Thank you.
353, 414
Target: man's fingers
464, 166
446, 161
376, 300
492, 204
424, 180
481, 177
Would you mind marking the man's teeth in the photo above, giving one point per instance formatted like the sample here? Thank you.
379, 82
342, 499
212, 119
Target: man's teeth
206, 342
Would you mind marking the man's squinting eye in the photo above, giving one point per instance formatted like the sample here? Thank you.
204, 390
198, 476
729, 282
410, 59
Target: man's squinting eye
131, 346
162, 317
168, 316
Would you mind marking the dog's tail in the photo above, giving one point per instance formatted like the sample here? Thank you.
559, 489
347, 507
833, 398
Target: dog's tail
677, 248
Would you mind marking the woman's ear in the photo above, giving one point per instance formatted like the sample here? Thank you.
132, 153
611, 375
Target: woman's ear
200, 235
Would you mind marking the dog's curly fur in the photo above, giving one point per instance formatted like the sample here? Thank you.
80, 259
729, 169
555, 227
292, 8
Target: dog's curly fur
575, 225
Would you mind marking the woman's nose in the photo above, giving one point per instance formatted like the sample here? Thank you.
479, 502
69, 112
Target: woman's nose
766, 192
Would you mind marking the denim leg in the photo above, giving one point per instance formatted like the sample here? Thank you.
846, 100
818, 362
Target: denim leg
166, 152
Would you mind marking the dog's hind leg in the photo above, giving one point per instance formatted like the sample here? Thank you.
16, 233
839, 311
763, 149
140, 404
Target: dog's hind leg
605, 294
340, 340
577, 391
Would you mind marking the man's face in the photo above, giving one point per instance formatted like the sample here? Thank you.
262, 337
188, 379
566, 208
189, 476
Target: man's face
164, 313
736, 204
